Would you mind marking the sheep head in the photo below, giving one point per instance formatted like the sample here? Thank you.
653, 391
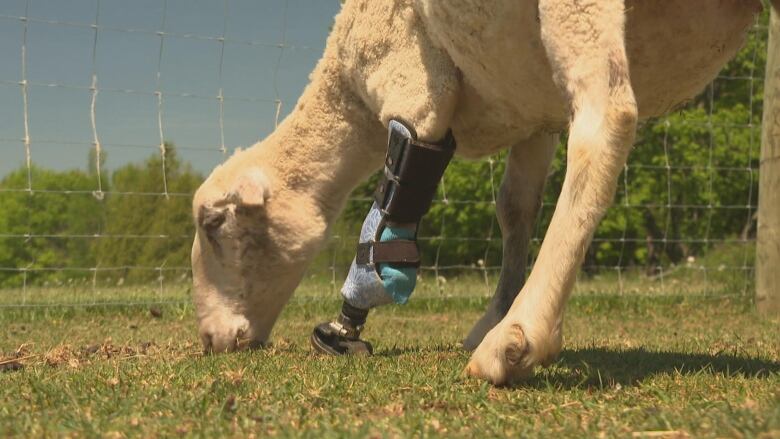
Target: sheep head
251, 247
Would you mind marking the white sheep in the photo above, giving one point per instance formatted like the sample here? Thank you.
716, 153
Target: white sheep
502, 74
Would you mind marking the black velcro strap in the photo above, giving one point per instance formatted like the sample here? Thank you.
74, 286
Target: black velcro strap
412, 172
397, 252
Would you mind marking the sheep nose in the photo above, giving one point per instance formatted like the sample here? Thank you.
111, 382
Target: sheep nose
215, 342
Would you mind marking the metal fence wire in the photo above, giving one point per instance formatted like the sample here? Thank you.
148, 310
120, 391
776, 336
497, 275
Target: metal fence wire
683, 220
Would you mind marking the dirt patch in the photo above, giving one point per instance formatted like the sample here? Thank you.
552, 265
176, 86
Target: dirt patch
13, 362
10, 366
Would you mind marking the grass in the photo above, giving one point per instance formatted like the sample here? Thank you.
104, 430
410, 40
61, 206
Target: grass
702, 278
633, 366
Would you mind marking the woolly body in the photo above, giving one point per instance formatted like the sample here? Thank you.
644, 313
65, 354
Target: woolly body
500, 73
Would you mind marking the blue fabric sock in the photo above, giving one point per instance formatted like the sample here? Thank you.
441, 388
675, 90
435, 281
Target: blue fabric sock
398, 281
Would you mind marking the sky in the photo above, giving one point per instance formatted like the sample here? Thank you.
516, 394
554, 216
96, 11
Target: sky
62, 54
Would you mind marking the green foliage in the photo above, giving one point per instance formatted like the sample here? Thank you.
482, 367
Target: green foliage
59, 225
154, 231
692, 176
131, 225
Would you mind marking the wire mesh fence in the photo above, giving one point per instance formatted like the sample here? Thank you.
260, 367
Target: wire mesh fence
151, 96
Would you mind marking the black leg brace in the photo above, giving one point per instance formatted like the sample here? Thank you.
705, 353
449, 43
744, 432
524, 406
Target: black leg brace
384, 269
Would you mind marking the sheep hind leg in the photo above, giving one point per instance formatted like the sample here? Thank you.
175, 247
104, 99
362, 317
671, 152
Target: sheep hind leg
518, 203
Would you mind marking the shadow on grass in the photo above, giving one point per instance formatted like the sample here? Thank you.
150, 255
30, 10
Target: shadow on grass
602, 367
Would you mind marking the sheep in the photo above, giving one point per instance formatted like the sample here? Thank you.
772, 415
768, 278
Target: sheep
501, 74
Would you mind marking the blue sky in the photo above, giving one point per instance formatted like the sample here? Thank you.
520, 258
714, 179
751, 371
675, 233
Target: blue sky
60, 42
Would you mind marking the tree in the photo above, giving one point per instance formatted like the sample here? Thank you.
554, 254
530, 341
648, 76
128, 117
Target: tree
47, 227
149, 229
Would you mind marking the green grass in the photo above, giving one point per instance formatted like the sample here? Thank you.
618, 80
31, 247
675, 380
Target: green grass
701, 278
667, 366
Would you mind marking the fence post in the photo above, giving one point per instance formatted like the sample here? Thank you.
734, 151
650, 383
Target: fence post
768, 238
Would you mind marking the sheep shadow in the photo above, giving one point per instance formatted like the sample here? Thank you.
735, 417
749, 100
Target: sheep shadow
603, 367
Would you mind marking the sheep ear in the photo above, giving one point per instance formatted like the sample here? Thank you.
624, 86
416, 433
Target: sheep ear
250, 190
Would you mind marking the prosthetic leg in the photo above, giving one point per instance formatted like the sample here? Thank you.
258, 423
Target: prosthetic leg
385, 267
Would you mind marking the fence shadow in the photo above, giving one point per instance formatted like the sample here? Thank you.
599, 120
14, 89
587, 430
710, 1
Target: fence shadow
601, 367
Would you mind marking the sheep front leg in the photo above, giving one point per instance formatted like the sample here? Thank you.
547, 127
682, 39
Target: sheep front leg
518, 203
412, 88
584, 41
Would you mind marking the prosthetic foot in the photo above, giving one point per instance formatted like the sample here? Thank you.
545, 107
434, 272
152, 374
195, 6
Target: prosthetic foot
342, 336
385, 267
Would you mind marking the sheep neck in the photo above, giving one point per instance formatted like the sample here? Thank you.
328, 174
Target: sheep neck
328, 144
